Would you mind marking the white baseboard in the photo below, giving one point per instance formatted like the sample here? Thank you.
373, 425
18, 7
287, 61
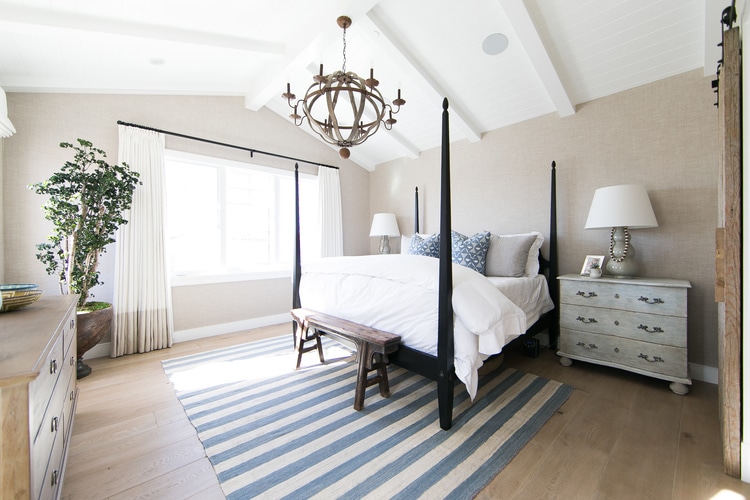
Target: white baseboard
745, 462
703, 373
105, 349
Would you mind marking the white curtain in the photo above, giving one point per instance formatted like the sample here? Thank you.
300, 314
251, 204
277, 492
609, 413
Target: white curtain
142, 297
329, 213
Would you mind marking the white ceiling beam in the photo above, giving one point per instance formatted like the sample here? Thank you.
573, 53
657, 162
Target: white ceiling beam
302, 49
29, 19
529, 38
412, 68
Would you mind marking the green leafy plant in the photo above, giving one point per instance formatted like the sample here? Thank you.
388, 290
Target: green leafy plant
87, 198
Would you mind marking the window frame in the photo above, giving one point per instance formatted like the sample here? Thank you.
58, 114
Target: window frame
274, 271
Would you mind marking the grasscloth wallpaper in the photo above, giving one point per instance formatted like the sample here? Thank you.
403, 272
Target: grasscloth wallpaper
663, 135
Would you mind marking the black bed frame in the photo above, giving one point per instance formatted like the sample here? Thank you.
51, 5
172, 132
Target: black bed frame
441, 368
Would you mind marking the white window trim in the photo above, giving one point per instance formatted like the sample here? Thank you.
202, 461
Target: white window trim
177, 280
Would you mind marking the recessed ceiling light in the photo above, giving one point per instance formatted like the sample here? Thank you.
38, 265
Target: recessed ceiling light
156, 61
494, 44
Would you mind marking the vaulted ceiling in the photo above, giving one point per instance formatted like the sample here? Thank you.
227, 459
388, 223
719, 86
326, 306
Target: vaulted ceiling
560, 53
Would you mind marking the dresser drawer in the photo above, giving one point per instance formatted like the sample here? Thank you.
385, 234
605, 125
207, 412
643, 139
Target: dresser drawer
668, 330
630, 297
51, 481
42, 451
41, 388
617, 351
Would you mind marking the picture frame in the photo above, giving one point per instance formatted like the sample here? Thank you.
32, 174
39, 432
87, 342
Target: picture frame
592, 261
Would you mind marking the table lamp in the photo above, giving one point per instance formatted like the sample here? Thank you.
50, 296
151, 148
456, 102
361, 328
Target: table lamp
384, 225
621, 208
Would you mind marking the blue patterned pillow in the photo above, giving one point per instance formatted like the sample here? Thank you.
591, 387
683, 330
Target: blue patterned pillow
470, 251
429, 246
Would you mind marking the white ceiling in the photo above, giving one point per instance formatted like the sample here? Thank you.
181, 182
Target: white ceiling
561, 53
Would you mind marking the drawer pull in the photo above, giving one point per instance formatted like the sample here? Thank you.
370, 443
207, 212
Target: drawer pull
54, 477
656, 359
53, 367
617, 349
586, 295
587, 346
72, 395
72, 323
655, 329
53, 427
649, 301
586, 321
72, 361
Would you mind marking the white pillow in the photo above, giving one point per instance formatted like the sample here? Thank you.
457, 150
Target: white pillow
532, 264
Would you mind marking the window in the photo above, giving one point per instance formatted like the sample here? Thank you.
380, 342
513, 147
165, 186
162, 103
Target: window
229, 220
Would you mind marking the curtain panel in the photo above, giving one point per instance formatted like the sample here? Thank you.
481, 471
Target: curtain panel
329, 212
142, 297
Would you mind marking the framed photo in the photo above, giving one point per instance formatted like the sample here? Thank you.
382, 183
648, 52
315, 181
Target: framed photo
592, 261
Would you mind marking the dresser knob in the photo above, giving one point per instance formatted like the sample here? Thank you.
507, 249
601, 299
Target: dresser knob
617, 295
617, 323
53, 426
54, 477
53, 367
617, 349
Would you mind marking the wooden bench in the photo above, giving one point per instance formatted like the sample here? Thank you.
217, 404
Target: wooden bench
372, 345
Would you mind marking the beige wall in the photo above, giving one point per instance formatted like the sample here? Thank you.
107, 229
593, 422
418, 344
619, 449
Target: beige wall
663, 135
32, 154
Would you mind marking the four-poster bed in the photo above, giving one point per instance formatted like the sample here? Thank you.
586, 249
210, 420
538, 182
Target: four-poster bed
501, 322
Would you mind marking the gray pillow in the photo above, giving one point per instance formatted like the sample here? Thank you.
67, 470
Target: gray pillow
507, 254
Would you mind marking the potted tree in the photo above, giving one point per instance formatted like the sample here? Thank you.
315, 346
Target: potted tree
87, 198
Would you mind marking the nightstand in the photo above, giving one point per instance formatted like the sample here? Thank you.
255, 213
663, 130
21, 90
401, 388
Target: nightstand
635, 324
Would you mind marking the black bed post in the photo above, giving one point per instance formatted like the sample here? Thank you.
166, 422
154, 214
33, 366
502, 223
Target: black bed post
554, 328
446, 373
297, 273
416, 210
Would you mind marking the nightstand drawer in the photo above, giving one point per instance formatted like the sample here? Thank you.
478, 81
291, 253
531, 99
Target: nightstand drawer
616, 351
668, 330
633, 297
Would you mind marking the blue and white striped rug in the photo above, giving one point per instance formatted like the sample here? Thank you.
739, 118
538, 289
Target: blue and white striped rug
271, 432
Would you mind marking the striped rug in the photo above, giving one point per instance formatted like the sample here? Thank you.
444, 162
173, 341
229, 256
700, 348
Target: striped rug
271, 432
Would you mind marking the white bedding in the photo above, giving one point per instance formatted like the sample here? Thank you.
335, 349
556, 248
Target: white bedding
398, 294
531, 294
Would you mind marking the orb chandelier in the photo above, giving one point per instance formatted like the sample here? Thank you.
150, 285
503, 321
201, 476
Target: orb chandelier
340, 107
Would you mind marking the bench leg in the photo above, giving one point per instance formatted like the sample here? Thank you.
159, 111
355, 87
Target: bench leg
364, 366
303, 335
359, 391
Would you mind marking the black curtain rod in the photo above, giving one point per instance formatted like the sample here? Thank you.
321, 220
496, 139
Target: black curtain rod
209, 141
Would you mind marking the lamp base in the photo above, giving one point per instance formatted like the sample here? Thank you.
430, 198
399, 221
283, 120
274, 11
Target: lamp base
385, 245
621, 262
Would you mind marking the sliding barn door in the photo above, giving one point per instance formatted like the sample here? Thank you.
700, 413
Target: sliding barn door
728, 253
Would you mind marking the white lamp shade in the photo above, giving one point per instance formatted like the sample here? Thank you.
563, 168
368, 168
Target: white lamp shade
627, 205
384, 225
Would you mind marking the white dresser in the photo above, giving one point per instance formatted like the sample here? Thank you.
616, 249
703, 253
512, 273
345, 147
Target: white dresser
37, 396
636, 324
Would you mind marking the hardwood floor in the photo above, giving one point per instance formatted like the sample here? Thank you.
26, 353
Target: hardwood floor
619, 436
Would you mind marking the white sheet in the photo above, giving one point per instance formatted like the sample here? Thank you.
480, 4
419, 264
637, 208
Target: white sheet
531, 294
398, 294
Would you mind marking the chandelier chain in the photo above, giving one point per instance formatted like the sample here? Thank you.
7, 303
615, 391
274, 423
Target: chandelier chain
343, 64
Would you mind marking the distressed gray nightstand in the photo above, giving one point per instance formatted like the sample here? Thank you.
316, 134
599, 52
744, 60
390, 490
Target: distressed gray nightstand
636, 324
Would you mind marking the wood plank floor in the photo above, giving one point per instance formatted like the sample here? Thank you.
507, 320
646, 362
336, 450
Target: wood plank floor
619, 436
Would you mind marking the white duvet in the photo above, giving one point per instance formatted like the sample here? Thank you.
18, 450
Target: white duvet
398, 294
